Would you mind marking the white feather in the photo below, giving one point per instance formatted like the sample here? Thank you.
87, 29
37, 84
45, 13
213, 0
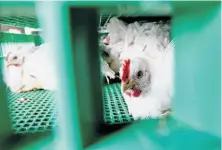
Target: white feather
12, 77
116, 29
41, 65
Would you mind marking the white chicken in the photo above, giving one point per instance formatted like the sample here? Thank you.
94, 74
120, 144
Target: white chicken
117, 30
122, 35
112, 46
41, 64
147, 81
30, 69
13, 73
105, 59
147, 70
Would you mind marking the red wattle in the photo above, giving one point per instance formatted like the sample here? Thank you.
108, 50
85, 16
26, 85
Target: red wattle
136, 93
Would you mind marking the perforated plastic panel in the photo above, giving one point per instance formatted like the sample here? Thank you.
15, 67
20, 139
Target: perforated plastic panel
20, 21
38, 114
16, 38
115, 109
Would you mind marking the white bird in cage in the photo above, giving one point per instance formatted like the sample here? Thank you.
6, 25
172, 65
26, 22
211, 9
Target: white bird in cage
147, 79
116, 31
30, 68
122, 35
112, 46
13, 68
147, 69
110, 62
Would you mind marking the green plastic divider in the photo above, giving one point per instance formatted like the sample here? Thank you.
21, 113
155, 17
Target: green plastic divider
17, 38
192, 96
20, 38
39, 113
21, 14
20, 21
19, 8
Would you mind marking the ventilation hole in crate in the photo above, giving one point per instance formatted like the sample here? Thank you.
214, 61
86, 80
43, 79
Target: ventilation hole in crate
43, 123
32, 129
29, 121
125, 120
33, 116
122, 113
49, 127
26, 125
40, 128
22, 130
21, 122
17, 118
28, 114
35, 124
18, 126
40, 116
38, 120
45, 119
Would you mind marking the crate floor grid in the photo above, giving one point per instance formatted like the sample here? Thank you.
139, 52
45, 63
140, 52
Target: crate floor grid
115, 108
37, 114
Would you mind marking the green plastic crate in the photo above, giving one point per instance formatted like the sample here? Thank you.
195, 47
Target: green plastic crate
197, 124
115, 109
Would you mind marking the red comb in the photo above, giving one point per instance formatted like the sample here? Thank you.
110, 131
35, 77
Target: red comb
126, 70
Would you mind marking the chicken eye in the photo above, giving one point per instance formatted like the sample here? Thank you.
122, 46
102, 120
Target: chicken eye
139, 74
14, 58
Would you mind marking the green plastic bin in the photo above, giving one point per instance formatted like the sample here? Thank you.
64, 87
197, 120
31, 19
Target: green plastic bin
83, 109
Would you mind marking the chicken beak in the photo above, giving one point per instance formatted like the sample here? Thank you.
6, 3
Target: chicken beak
127, 85
8, 65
